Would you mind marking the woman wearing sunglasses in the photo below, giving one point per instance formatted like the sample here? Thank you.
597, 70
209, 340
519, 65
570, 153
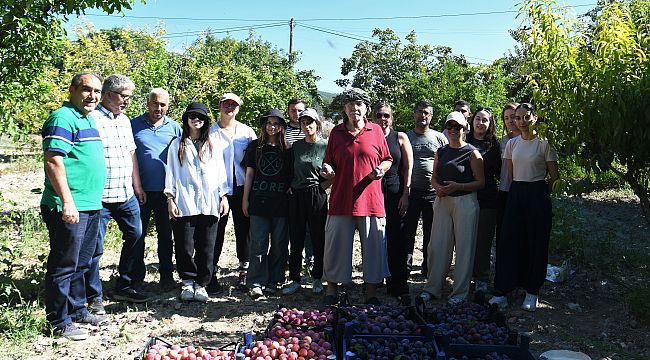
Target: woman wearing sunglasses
196, 188
457, 175
397, 184
483, 136
522, 251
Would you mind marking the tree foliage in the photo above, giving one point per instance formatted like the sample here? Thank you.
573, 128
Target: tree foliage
259, 73
404, 73
591, 80
31, 37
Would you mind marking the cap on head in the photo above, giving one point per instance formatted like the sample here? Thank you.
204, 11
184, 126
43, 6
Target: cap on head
231, 96
309, 113
198, 108
458, 117
356, 94
273, 113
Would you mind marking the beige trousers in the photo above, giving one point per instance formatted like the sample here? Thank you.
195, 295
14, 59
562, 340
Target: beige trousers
455, 223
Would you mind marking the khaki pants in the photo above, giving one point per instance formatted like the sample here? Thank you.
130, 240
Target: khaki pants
455, 222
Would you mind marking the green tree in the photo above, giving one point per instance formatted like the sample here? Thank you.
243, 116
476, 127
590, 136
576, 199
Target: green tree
403, 74
31, 38
259, 73
591, 80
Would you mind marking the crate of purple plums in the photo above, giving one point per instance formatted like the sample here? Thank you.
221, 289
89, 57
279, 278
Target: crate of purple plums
517, 351
469, 323
158, 348
378, 346
379, 319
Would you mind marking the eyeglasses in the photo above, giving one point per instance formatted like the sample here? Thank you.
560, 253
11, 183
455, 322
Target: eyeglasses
194, 116
125, 98
382, 115
455, 127
481, 108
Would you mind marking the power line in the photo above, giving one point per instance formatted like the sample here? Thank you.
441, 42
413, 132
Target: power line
192, 33
482, 13
335, 33
236, 28
180, 18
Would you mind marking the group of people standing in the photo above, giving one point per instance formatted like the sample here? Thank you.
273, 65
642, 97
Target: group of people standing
101, 165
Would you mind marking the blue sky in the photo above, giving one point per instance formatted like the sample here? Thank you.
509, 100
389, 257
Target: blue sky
476, 29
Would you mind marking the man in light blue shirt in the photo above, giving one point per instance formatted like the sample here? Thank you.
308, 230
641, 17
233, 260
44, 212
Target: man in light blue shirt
153, 131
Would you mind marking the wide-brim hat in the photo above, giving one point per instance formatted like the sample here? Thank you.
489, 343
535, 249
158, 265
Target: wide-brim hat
197, 108
273, 112
458, 117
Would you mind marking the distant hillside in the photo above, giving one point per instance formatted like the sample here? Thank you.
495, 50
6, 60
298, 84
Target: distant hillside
327, 97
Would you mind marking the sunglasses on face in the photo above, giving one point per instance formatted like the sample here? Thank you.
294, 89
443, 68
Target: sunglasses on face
455, 127
382, 115
194, 116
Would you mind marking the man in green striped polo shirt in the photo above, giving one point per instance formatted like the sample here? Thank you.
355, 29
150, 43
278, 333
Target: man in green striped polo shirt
74, 181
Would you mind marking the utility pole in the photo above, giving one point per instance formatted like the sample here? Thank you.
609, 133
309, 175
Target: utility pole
292, 25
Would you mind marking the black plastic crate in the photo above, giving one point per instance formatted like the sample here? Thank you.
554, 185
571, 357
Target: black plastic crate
155, 340
392, 343
518, 351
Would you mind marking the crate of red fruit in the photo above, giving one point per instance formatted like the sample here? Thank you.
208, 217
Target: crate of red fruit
469, 323
369, 346
518, 351
305, 318
293, 348
158, 348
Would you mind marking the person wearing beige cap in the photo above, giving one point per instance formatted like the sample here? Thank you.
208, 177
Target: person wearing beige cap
457, 175
307, 201
232, 139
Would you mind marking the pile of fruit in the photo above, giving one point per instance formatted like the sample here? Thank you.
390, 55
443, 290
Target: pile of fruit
295, 335
312, 318
390, 348
289, 349
175, 352
468, 323
379, 320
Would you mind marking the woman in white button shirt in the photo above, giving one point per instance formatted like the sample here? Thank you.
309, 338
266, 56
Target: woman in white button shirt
196, 188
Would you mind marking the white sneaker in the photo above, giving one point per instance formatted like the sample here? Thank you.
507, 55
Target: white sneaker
317, 286
187, 291
501, 301
256, 292
530, 302
425, 296
291, 288
201, 294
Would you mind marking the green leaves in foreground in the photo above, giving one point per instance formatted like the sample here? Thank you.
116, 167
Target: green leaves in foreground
591, 81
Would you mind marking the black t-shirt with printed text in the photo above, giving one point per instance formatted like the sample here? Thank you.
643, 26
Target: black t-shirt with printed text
268, 194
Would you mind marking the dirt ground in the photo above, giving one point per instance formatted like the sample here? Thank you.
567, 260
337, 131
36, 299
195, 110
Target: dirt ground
586, 313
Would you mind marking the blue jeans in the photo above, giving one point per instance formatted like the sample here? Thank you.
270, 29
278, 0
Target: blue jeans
131, 266
71, 248
157, 203
267, 266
